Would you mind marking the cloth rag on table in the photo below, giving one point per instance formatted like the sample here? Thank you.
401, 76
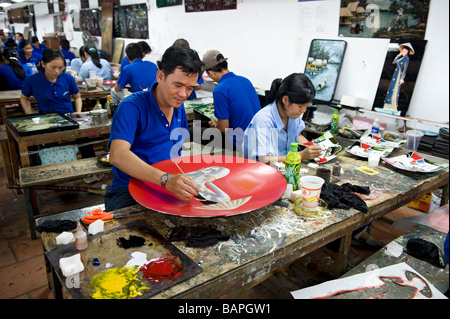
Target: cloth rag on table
56, 226
196, 236
343, 196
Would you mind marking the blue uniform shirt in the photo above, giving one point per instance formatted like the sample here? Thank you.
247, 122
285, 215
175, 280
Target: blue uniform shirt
235, 99
14, 82
140, 121
51, 97
35, 58
105, 71
265, 135
68, 55
125, 62
139, 74
41, 49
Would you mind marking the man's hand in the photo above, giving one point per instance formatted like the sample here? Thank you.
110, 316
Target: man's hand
182, 186
311, 152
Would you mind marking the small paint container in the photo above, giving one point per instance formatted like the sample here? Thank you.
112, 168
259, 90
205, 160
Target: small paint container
325, 173
99, 117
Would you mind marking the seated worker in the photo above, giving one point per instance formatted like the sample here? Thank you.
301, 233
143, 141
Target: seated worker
37, 46
147, 125
140, 75
53, 90
94, 63
272, 130
19, 38
145, 50
76, 63
27, 54
11, 71
200, 81
235, 99
64, 46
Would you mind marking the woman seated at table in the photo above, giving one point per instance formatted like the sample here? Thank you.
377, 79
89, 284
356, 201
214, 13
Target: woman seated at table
12, 73
272, 130
53, 90
76, 63
64, 47
94, 63
27, 54
39, 47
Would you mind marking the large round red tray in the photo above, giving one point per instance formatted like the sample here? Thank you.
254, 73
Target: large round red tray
250, 185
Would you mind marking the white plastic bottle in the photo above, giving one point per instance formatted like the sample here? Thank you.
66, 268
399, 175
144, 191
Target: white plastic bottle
376, 128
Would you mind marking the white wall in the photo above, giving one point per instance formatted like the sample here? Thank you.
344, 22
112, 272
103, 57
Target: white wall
266, 39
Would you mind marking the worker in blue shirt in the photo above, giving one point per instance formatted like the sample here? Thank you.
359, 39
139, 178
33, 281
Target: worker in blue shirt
19, 38
76, 63
140, 75
52, 88
147, 127
235, 99
94, 63
64, 46
28, 55
11, 72
269, 135
145, 50
37, 46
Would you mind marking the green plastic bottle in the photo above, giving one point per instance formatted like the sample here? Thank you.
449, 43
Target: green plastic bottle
292, 166
335, 122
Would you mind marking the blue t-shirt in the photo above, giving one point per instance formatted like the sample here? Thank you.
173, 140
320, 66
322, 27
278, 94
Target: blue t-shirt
75, 64
235, 99
265, 135
14, 82
139, 74
35, 58
125, 62
140, 121
41, 49
51, 97
68, 55
105, 71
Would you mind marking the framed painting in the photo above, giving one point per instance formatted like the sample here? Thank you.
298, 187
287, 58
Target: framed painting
323, 66
41, 123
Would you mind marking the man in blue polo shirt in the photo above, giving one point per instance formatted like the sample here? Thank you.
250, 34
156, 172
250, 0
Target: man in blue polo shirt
235, 99
148, 124
139, 74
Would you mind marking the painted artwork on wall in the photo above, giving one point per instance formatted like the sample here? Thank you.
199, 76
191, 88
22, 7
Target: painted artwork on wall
384, 18
209, 5
399, 75
168, 3
131, 21
323, 66
90, 20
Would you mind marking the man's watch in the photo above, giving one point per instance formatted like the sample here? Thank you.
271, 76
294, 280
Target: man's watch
164, 179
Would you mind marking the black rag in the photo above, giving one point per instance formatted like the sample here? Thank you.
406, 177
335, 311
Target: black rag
56, 226
424, 250
344, 196
196, 236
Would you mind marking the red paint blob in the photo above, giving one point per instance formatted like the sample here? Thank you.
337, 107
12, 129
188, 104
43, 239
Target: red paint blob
162, 269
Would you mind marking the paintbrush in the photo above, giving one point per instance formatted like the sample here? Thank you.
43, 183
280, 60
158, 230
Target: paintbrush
199, 197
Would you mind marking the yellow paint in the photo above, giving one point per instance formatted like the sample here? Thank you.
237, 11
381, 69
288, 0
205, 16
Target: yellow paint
117, 283
367, 170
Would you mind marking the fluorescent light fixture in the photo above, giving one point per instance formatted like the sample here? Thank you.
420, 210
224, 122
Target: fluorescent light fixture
18, 1
5, 4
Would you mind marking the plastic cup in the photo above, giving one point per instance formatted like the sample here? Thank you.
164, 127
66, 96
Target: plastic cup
311, 188
413, 139
92, 74
374, 159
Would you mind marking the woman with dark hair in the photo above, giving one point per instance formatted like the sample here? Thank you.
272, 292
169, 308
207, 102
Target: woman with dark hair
272, 130
37, 46
76, 63
94, 63
52, 87
27, 54
12, 71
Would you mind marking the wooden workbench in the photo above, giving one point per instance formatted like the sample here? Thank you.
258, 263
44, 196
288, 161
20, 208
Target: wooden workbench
268, 239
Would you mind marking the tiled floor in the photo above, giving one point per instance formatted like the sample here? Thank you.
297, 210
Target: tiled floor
22, 267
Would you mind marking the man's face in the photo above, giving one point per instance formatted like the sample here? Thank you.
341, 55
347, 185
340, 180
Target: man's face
175, 88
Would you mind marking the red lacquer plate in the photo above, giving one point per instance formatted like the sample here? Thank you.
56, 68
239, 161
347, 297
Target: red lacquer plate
249, 185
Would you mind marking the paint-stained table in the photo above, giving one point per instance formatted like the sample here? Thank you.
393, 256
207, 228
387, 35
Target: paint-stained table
268, 239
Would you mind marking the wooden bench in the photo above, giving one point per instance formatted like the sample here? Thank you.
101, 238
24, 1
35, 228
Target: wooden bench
37, 177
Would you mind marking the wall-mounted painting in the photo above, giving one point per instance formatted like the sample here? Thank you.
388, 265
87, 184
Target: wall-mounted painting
130, 21
399, 76
384, 18
209, 5
323, 66
168, 3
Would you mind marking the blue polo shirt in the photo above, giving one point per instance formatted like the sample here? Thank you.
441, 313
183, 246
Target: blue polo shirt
41, 49
14, 82
125, 62
105, 71
265, 135
35, 57
140, 121
235, 99
51, 97
139, 74
68, 55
